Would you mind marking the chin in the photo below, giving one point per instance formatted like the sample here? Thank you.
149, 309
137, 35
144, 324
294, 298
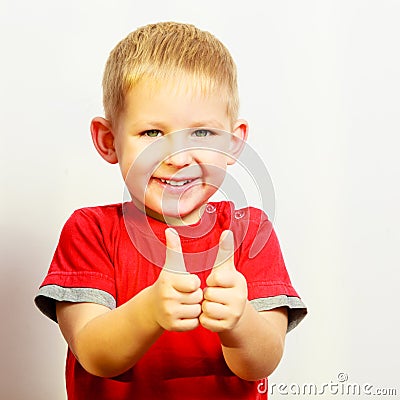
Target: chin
186, 215
179, 214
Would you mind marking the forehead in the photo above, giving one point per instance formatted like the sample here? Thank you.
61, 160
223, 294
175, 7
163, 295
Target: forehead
180, 84
178, 101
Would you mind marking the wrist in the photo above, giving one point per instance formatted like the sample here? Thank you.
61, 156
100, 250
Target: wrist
238, 334
148, 309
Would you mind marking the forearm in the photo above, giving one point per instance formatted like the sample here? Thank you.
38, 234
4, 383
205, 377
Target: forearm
254, 348
113, 342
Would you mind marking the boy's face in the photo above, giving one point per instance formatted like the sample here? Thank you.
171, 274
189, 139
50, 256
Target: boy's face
174, 173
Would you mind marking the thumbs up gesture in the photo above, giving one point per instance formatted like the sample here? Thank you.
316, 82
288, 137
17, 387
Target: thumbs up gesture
226, 294
177, 294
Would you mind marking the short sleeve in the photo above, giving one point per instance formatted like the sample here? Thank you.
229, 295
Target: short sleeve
262, 264
81, 269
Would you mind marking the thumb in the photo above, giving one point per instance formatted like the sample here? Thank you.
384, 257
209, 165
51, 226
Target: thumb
226, 250
174, 260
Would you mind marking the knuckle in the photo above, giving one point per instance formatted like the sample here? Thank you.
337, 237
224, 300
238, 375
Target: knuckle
217, 278
208, 293
204, 321
168, 295
186, 325
197, 310
167, 312
193, 282
236, 314
199, 296
227, 326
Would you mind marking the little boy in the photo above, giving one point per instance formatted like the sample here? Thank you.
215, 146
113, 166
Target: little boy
160, 297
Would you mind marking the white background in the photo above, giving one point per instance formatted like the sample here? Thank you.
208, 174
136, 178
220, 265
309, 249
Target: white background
320, 86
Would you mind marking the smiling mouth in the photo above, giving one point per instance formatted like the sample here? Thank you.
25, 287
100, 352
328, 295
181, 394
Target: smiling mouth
176, 183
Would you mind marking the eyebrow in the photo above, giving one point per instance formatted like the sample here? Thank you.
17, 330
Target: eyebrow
207, 124
196, 124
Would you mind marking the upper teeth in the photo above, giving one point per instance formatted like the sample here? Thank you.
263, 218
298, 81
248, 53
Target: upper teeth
175, 183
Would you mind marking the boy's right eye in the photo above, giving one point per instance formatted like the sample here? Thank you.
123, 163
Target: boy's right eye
153, 133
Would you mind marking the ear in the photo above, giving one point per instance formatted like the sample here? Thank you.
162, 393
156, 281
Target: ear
238, 140
103, 139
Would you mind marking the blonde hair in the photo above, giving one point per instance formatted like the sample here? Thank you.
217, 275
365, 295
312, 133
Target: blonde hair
166, 50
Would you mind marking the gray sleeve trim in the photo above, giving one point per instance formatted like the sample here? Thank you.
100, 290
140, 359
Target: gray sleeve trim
49, 294
296, 308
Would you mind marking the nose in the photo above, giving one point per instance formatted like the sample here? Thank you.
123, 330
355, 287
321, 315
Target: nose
179, 151
179, 159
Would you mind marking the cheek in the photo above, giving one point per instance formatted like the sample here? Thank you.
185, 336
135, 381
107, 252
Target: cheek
138, 162
145, 158
213, 162
136, 173
214, 174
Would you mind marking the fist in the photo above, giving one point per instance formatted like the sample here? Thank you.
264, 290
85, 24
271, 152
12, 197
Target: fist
177, 295
225, 296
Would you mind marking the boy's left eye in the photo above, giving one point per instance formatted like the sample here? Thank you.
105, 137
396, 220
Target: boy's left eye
202, 133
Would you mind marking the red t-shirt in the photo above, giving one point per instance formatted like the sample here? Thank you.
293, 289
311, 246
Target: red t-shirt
108, 254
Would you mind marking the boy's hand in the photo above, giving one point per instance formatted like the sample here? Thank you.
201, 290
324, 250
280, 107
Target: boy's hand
177, 294
226, 295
